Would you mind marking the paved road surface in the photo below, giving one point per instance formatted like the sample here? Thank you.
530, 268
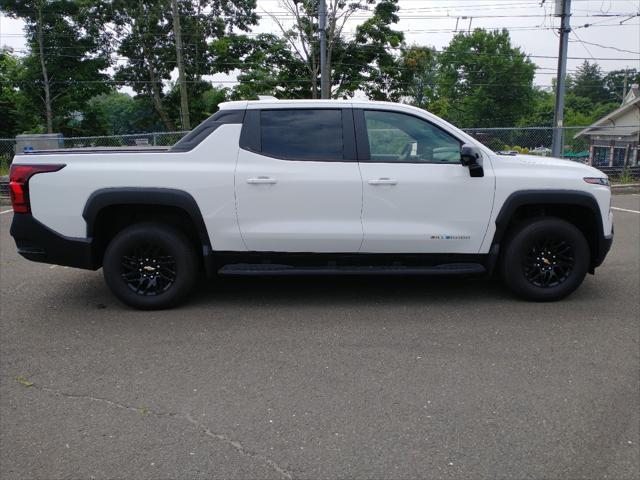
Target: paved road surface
322, 377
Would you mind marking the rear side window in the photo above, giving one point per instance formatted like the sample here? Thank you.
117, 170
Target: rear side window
302, 134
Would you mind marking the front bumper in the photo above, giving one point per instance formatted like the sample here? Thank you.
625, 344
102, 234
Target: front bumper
604, 245
39, 243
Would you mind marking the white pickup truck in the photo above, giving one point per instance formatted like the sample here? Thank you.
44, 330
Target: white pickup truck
312, 187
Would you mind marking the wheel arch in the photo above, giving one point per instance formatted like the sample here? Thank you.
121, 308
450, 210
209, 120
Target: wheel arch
577, 207
152, 201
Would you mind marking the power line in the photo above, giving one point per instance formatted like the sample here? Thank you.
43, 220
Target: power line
433, 30
606, 46
241, 63
582, 43
470, 54
124, 82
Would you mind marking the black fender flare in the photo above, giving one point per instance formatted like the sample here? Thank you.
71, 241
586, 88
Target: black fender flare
168, 197
548, 197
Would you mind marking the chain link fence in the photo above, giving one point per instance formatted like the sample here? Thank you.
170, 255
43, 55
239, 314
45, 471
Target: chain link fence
530, 140
612, 149
604, 154
154, 139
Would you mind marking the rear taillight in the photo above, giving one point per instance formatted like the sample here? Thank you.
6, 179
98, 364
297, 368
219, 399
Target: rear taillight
19, 184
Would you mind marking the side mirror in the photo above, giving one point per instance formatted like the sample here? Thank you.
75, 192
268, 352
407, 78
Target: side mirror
470, 157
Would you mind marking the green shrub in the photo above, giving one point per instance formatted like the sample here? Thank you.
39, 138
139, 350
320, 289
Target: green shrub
5, 163
625, 176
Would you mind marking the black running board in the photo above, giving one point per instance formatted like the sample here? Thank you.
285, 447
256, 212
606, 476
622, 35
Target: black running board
275, 269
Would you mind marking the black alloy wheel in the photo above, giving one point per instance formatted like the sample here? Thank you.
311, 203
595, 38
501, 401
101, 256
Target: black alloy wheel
148, 269
549, 262
544, 258
150, 266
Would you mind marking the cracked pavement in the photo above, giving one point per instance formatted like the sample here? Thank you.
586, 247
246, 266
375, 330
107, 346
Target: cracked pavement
321, 377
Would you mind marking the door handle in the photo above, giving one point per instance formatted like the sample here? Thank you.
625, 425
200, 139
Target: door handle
261, 180
383, 181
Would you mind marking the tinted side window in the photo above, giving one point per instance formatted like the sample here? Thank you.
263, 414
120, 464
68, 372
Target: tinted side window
302, 134
396, 137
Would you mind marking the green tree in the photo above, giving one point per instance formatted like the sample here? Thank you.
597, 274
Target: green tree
368, 61
203, 100
18, 115
363, 62
541, 114
484, 81
615, 81
418, 66
588, 82
147, 41
66, 59
267, 66
197, 21
578, 111
143, 31
9, 94
112, 113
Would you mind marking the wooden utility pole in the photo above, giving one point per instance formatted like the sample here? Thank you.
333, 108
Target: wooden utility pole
182, 81
563, 8
322, 28
45, 75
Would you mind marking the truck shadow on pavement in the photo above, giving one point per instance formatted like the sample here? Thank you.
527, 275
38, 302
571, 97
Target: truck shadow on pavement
88, 291
352, 290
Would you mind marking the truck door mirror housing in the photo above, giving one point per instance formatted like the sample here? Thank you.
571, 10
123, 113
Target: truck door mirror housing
471, 157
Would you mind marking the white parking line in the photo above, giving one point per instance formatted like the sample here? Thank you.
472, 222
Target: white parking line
625, 210
6, 211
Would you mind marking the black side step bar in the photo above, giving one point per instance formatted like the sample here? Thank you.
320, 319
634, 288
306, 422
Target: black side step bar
276, 269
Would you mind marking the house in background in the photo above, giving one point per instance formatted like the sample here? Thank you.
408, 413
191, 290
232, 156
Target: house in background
614, 139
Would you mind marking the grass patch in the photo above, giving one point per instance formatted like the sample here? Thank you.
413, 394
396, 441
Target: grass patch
5, 163
143, 410
23, 381
625, 177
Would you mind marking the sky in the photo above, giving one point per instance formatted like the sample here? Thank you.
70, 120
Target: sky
597, 33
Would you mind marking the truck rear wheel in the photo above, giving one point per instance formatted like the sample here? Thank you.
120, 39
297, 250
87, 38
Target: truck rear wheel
545, 259
150, 266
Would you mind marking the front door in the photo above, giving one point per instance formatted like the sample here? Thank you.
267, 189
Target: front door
298, 185
417, 197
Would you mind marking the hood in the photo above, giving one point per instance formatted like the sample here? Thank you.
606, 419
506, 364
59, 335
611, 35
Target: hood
550, 163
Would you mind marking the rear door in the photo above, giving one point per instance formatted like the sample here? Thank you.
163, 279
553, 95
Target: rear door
417, 197
298, 185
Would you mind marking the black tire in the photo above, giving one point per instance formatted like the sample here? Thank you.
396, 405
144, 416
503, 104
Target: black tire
150, 266
545, 259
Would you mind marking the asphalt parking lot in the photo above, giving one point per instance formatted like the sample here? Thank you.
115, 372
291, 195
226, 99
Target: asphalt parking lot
322, 377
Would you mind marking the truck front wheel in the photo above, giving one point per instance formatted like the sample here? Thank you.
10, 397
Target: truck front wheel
150, 266
545, 259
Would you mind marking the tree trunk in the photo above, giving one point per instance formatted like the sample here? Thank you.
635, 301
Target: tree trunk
45, 75
157, 101
313, 77
328, 75
198, 36
184, 99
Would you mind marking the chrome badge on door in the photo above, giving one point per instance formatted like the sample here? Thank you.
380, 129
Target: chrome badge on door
450, 237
